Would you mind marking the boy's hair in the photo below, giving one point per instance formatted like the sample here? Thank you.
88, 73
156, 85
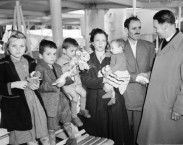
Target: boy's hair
120, 42
69, 42
46, 43
127, 21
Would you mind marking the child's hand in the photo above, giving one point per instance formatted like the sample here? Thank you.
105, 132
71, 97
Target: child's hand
35, 74
74, 61
60, 84
33, 81
108, 72
19, 84
34, 86
74, 71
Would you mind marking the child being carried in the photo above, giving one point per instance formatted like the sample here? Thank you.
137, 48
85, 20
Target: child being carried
70, 63
116, 74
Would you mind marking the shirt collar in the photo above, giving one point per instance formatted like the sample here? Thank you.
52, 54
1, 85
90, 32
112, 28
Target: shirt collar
16, 60
131, 43
168, 39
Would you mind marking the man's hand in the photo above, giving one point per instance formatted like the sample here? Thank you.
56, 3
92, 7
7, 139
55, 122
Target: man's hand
175, 116
142, 79
19, 84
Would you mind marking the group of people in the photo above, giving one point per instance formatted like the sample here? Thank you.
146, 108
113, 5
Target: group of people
137, 100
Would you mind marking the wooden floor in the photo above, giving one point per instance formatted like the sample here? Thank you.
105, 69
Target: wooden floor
82, 138
85, 139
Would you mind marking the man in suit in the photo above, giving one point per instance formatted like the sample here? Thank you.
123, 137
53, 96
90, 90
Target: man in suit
162, 121
140, 55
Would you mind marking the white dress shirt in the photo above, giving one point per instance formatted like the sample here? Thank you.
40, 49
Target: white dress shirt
134, 47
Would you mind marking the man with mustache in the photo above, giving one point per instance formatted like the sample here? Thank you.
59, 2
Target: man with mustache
140, 55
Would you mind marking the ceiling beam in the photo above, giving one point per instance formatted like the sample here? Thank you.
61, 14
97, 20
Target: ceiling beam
66, 10
171, 4
30, 13
63, 3
72, 5
4, 3
128, 3
104, 6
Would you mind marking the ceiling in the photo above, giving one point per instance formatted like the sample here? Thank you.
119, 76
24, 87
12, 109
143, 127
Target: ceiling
38, 11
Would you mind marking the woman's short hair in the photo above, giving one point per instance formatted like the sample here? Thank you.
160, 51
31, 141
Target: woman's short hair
93, 33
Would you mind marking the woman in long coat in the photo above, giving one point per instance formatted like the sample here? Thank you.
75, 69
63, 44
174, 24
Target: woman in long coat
106, 121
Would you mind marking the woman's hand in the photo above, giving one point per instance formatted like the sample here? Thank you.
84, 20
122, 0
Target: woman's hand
19, 84
34, 86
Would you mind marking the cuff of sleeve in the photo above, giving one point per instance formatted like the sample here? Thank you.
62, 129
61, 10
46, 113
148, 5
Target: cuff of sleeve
9, 89
133, 77
177, 109
68, 81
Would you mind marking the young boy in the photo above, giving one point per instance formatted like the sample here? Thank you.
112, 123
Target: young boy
74, 90
55, 102
116, 72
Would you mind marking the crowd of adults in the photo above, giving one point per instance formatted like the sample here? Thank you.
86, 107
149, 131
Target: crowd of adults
150, 111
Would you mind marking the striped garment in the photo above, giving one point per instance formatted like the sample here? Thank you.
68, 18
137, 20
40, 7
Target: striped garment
119, 79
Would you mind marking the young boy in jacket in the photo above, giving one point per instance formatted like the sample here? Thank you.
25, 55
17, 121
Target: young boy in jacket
55, 102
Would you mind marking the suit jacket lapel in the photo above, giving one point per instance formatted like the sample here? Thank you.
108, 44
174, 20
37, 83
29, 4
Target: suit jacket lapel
49, 70
51, 74
57, 70
140, 52
131, 60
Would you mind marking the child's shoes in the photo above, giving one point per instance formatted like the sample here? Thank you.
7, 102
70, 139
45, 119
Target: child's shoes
77, 122
45, 140
68, 128
71, 141
85, 113
32, 143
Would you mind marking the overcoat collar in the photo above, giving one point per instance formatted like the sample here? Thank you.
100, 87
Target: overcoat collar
174, 43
